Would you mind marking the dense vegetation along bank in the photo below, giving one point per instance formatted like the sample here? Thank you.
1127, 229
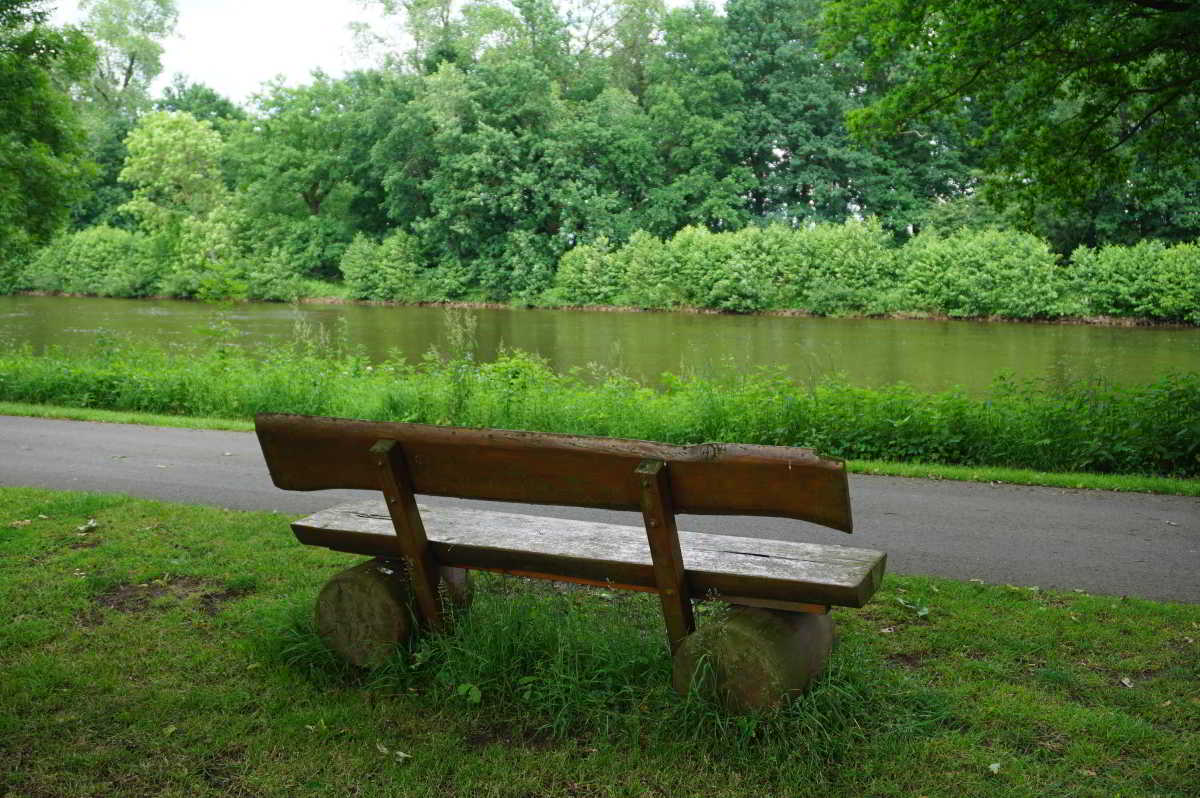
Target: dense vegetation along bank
1088, 426
938, 687
827, 269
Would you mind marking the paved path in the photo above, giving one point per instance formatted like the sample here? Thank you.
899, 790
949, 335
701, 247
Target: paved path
1114, 543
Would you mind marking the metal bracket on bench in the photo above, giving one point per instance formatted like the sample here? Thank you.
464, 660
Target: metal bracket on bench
658, 513
396, 484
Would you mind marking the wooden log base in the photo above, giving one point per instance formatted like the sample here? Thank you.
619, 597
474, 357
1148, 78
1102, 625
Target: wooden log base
754, 658
363, 613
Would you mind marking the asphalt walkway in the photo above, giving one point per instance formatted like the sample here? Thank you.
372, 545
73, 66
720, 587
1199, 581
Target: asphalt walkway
1102, 542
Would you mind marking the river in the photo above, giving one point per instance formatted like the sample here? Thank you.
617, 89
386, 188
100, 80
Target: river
931, 355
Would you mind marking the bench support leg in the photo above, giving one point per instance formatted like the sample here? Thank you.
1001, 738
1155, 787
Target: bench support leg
658, 513
396, 484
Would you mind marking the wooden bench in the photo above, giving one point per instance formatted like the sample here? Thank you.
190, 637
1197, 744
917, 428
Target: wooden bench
782, 579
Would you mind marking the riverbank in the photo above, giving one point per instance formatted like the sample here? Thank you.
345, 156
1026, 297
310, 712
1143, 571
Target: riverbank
1068, 426
938, 687
342, 299
855, 269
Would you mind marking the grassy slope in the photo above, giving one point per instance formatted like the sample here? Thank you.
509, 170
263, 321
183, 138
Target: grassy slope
167, 650
1015, 476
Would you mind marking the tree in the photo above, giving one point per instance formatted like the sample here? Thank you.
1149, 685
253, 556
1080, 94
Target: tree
174, 164
297, 162
41, 154
199, 100
693, 103
128, 35
1076, 92
183, 204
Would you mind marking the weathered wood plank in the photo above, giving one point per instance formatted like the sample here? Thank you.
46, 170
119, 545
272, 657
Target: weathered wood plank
717, 566
396, 484
662, 535
313, 453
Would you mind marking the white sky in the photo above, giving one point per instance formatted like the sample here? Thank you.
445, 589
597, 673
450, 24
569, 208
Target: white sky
235, 46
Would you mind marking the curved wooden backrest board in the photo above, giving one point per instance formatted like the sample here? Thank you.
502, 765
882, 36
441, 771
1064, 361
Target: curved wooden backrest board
316, 453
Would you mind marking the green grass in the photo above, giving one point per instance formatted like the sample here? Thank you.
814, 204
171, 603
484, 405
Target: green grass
1013, 476
169, 650
1069, 427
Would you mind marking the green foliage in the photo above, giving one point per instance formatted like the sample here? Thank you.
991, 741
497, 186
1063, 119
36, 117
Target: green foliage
41, 167
1074, 91
824, 268
828, 269
1051, 425
588, 275
983, 273
1148, 280
199, 100
391, 270
174, 164
99, 260
128, 36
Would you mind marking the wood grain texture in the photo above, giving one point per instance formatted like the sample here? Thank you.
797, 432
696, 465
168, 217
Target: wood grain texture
315, 453
396, 484
717, 566
662, 535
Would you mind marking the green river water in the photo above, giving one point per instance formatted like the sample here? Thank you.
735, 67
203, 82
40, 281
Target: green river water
931, 355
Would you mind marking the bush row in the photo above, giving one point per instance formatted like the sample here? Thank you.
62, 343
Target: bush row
855, 268
1092, 426
828, 269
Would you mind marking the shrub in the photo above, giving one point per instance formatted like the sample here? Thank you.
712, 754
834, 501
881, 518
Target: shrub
206, 258
836, 268
104, 261
590, 274
1147, 279
650, 277
389, 271
721, 271
983, 273
274, 279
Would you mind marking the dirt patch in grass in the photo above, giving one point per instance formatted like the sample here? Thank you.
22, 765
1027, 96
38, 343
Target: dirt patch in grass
907, 660
128, 598
210, 603
221, 771
509, 736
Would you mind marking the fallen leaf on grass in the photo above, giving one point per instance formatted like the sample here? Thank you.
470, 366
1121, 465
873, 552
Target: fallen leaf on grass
1125, 680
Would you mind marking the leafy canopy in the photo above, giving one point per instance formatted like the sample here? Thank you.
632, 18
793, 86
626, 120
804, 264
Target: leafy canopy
40, 142
1077, 91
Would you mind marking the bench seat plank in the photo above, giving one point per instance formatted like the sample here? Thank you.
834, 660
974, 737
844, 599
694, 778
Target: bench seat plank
722, 567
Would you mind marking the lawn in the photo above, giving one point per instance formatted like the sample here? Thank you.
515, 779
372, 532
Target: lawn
157, 649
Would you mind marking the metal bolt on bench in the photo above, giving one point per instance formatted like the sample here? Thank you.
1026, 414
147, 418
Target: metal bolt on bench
776, 639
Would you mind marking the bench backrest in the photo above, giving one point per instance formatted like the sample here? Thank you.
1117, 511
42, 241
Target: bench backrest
315, 453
